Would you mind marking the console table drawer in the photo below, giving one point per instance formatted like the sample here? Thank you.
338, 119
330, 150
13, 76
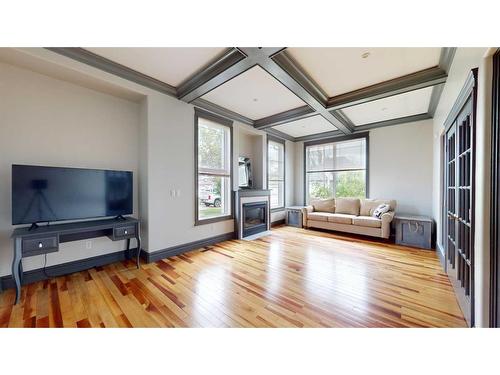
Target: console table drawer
37, 246
124, 232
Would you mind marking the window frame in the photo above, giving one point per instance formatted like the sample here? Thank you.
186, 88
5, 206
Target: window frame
348, 137
270, 138
200, 113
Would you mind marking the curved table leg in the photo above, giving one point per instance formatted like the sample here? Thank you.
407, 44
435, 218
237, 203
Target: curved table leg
127, 254
16, 267
138, 238
21, 272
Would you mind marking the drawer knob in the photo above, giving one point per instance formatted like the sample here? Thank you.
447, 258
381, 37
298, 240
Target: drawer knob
40, 245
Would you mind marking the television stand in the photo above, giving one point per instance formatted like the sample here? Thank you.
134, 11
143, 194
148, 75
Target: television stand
37, 240
120, 217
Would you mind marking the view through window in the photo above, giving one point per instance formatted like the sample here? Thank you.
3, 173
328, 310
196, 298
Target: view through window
276, 173
336, 169
214, 169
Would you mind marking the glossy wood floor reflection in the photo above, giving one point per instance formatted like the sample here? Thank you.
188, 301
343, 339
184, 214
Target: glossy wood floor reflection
291, 278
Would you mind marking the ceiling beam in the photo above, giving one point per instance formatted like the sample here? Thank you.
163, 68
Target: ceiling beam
342, 117
233, 63
314, 137
191, 88
214, 82
266, 62
446, 58
435, 96
285, 61
364, 128
445, 61
424, 78
221, 111
99, 62
279, 134
284, 117
395, 121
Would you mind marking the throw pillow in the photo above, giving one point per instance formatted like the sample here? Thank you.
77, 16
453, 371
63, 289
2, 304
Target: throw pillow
380, 210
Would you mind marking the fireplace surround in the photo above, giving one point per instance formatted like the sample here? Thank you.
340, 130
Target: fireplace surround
252, 212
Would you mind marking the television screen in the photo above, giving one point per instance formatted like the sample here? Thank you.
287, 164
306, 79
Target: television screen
52, 194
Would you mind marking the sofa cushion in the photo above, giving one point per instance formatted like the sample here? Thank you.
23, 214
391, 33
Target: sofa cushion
319, 216
367, 221
324, 205
348, 206
341, 218
367, 206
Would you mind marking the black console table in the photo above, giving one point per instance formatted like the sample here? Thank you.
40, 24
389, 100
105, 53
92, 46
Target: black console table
46, 239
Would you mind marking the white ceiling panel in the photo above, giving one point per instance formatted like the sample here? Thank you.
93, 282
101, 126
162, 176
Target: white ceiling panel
169, 65
407, 104
306, 126
254, 94
341, 70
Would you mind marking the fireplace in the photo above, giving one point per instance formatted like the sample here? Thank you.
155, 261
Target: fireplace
254, 218
252, 212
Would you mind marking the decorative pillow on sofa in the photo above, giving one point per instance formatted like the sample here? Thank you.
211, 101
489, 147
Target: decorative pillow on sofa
380, 210
348, 206
368, 205
324, 205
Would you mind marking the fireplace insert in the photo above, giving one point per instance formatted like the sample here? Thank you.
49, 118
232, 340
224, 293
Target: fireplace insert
254, 216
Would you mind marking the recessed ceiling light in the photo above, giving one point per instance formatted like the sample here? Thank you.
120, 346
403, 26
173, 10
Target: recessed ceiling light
365, 55
255, 99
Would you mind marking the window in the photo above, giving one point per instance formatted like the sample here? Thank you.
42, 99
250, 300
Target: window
336, 169
276, 172
213, 161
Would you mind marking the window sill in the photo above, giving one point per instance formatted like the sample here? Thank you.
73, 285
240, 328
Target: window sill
213, 220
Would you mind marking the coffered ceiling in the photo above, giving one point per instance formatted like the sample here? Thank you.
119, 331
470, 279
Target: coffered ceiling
170, 65
254, 94
293, 93
341, 70
396, 106
306, 126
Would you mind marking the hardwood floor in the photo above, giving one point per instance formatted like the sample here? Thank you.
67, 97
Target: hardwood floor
291, 278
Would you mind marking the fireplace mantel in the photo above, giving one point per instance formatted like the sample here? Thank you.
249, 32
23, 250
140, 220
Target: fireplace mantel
243, 196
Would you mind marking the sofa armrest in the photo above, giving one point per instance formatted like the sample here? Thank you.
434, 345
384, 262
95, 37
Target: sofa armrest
305, 211
386, 223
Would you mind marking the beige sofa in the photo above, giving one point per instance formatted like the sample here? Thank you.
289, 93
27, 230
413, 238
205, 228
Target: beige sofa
351, 215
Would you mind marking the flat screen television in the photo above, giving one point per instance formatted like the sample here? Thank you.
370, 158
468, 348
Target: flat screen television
46, 194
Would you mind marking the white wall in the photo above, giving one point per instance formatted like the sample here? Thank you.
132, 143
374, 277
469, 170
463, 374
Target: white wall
299, 173
46, 121
170, 150
401, 166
